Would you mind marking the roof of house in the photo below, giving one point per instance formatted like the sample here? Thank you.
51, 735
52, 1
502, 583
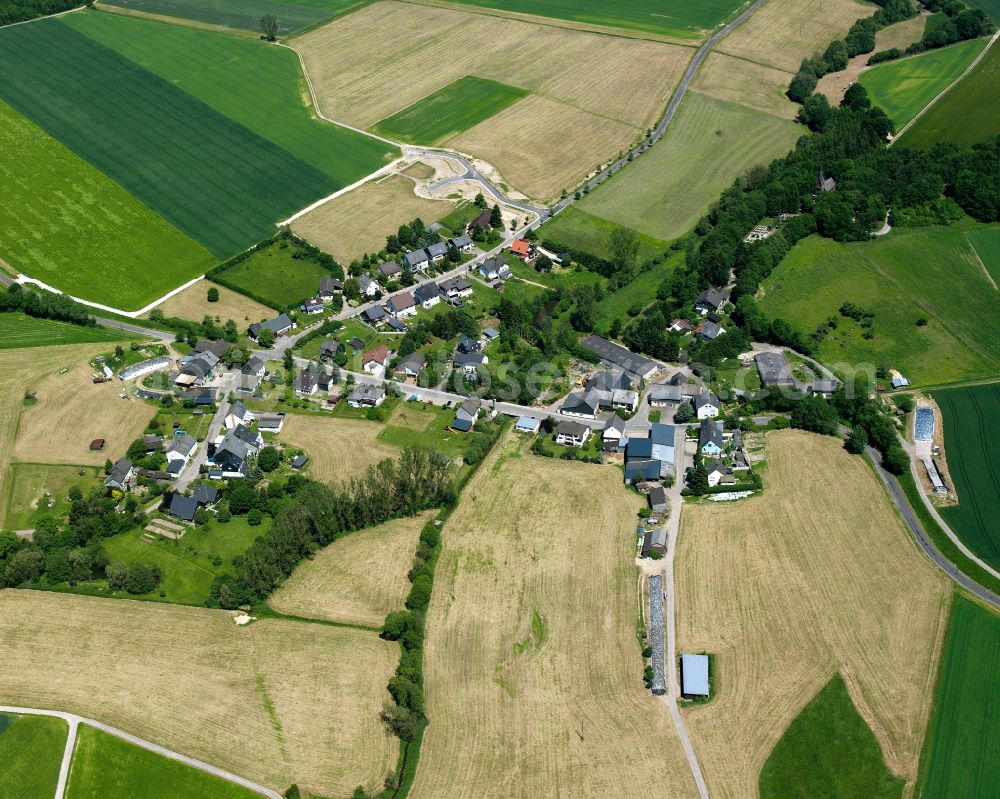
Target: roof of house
413, 362
493, 265
586, 402
175, 467
403, 302
397, 324
239, 410
615, 424
713, 298
374, 314
657, 496
639, 449
465, 359
366, 392
620, 356
483, 220
528, 423
312, 303
437, 249
306, 379
331, 347
389, 268
205, 495
183, 444
379, 354
645, 467
270, 421
119, 472
656, 538
466, 344
662, 434
276, 325
710, 432
235, 447
520, 247
490, 332
710, 330
330, 285
571, 429
470, 407
694, 675
253, 366
773, 368
427, 291
299, 461
715, 466
461, 241
706, 398
462, 423
245, 434
365, 282
183, 507
356, 343
665, 393
609, 380
456, 284
415, 258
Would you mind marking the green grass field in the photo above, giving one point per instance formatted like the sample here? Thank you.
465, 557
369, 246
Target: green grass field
212, 178
106, 767
583, 231
187, 566
961, 754
259, 87
31, 749
245, 15
19, 330
664, 17
970, 414
450, 111
641, 290
709, 143
272, 273
992, 7
98, 242
929, 273
903, 87
968, 113
27, 483
828, 752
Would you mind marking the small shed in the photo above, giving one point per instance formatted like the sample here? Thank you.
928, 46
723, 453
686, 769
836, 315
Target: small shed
657, 499
694, 676
299, 461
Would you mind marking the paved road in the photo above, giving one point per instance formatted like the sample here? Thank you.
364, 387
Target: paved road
74, 720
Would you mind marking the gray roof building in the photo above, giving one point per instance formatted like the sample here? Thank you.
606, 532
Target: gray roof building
390, 270
665, 395
416, 259
183, 507
694, 675
616, 355
437, 250
774, 369
278, 325
710, 435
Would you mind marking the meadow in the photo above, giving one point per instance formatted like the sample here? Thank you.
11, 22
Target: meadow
962, 754
532, 668
640, 291
810, 758
31, 749
357, 579
416, 425
449, 111
672, 18
582, 231
259, 87
205, 174
591, 95
192, 303
106, 767
274, 701
273, 273
736, 80
292, 16
815, 576
709, 143
18, 330
339, 449
969, 414
98, 243
968, 113
900, 277
27, 485
905, 86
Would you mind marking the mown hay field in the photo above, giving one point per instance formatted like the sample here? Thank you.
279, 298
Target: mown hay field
783, 32
19, 330
532, 668
275, 701
969, 415
339, 449
192, 303
815, 576
753, 85
358, 579
359, 221
591, 95
709, 143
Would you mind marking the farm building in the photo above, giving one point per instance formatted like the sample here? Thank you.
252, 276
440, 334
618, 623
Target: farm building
144, 368
663, 396
694, 676
635, 365
657, 499
774, 369
934, 476
654, 541
923, 424
641, 470
659, 685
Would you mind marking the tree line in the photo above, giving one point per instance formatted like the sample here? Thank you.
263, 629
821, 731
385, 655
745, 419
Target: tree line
45, 305
12, 11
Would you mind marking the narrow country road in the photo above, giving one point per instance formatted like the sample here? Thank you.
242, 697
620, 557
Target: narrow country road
74, 721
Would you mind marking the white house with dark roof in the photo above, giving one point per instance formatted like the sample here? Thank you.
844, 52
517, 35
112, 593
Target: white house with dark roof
121, 475
495, 268
313, 305
366, 395
707, 405
437, 251
462, 243
402, 306
237, 415
572, 434
428, 294
416, 261
329, 287
181, 448
711, 300
390, 270
456, 287
410, 365
369, 286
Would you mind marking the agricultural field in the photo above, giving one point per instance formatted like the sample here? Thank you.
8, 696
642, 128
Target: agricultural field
815, 576
755, 86
338, 449
582, 231
780, 34
27, 485
99, 243
192, 303
106, 767
968, 113
810, 758
31, 749
709, 143
905, 86
992, 7
672, 18
962, 754
273, 273
274, 701
292, 16
969, 414
449, 111
359, 221
70, 412
18, 330
899, 277
532, 667
358, 579
591, 95
261, 88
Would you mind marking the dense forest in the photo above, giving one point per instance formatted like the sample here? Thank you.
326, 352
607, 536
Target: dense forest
21, 10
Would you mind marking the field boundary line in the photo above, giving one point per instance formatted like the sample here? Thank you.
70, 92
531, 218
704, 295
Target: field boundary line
383, 172
73, 720
25, 280
947, 88
67, 758
180, 22
979, 260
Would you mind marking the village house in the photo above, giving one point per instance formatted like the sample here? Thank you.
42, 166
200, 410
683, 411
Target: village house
428, 295
416, 261
329, 287
654, 541
366, 395
529, 425
494, 269
237, 415
665, 396
280, 325
251, 373
271, 423
481, 222
467, 345
182, 507
572, 434
462, 243
709, 331
330, 349
313, 305
613, 437
711, 300
470, 362
456, 287
375, 360
180, 449
682, 326
390, 270
706, 405
121, 475
374, 316
368, 286
398, 325
437, 251
466, 415
307, 382
410, 366
197, 369
402, 306
236, 451
523, 249
711, 438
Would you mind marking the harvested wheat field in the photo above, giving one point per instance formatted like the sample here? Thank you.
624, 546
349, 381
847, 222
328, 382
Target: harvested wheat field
339, 449
783, 32
375, 62
816, 575
357, 579
753, 85
192, 303
900, 35
533, 674
275, 701
19, 370
359, 221
71, 412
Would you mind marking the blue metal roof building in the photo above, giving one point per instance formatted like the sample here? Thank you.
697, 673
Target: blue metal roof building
694, 675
